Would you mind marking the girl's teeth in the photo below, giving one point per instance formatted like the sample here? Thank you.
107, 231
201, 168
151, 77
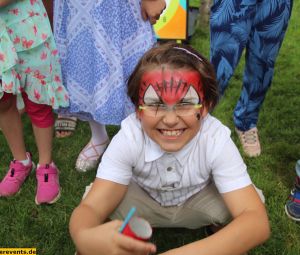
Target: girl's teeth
171, 132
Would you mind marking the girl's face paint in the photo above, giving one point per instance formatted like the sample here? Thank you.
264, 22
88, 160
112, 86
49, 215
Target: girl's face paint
168, 86
171, 87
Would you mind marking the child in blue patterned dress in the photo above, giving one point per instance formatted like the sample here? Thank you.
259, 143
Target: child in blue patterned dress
99, 47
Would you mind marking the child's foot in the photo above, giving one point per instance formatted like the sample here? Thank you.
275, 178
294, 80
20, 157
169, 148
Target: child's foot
250, 141
48, 189
292, 206
65, 126
89, 157
15, 177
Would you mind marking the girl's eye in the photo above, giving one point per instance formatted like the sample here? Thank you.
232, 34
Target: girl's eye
184, 105
156, 105
161, 106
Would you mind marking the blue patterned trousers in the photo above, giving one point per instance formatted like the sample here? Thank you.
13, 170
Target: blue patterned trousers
258, 26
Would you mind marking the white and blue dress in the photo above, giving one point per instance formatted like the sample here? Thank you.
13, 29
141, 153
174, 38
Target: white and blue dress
100, 43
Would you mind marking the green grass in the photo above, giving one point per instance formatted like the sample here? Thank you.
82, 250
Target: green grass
24, 224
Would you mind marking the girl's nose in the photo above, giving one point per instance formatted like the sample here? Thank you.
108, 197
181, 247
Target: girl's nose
170, 118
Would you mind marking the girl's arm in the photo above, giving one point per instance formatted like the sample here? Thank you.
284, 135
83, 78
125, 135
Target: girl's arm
94, 237
249, 227
152, 9
3, 3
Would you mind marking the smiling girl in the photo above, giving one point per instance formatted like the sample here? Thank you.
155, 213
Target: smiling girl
173, 161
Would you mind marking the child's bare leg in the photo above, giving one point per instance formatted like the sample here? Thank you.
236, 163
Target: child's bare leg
12, 128
44, 137
20, 168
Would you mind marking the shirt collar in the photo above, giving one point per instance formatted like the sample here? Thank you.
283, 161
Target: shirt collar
152, 149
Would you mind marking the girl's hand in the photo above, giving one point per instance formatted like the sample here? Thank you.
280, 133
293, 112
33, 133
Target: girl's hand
152, 9
105, 239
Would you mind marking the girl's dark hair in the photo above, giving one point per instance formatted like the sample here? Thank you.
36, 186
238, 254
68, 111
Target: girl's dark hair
176, 56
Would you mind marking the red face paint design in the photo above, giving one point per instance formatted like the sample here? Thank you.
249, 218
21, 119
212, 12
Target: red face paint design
167, 86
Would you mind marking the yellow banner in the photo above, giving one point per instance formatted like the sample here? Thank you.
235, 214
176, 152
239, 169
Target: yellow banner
23, 251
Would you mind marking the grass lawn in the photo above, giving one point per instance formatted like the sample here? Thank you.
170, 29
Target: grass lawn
24, 224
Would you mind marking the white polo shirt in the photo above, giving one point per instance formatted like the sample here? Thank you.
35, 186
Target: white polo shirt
171, 178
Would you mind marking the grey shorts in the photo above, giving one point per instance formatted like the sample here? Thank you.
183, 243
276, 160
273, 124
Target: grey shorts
204, 208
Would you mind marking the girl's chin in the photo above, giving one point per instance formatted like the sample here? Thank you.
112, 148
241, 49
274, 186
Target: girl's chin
170, 145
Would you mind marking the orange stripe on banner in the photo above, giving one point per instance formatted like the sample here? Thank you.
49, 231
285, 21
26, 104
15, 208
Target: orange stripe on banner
176, 27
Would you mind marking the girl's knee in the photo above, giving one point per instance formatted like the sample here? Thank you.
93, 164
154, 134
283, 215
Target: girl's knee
41, 115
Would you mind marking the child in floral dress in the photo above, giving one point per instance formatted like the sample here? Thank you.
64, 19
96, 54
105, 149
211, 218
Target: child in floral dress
30, 78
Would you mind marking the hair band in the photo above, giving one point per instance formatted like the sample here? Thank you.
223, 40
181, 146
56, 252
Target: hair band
188, 52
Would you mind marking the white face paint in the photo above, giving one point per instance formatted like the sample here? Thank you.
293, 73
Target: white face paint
191, 96
151, 97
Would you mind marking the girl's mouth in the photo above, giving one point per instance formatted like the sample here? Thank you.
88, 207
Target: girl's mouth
171, 133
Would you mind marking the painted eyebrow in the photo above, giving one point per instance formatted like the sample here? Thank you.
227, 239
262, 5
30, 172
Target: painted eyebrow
153, 100
189, 100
